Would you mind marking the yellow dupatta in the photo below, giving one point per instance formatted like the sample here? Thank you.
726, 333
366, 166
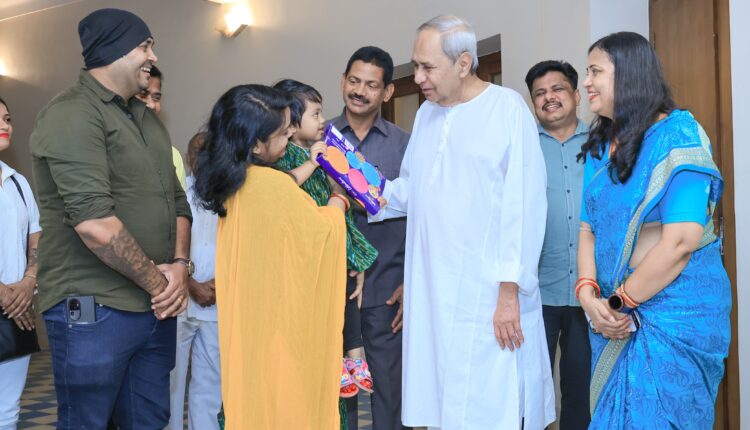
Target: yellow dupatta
280, 287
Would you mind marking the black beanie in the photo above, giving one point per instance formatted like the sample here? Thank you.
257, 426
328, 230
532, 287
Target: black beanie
108, 34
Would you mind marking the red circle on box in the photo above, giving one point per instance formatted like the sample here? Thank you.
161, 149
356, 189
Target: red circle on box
358, 181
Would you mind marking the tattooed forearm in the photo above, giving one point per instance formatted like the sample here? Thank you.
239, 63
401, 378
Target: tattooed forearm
119, 250
31, 260
32, 254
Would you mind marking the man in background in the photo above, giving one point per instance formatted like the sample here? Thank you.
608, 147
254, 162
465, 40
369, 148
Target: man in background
553, 86
366, 85
197, 330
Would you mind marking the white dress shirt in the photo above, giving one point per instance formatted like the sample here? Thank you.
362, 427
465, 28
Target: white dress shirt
202, 250
17, 221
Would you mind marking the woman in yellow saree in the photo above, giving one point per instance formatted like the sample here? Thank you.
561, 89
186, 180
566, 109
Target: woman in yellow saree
280, 271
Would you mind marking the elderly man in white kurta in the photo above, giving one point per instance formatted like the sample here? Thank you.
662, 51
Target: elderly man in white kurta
473, 185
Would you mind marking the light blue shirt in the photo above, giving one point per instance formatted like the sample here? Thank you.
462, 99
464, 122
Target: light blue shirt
558, 267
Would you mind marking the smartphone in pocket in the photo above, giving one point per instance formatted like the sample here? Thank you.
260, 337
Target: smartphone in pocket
80, 309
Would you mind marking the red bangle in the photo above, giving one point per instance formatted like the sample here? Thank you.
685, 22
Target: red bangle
626, 297
594, 285
343, 199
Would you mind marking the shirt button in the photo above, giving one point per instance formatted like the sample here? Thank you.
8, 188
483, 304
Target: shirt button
570, 271
567, 190
565, 167
570, 217
570, 245
158, 171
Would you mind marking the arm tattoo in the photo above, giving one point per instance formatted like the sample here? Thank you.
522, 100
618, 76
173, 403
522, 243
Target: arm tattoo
124, 255
31, 259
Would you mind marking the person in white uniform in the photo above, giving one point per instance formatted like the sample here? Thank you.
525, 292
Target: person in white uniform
19, 236
197, 329
473, 185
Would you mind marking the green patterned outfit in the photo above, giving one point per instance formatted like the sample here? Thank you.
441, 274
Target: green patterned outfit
360, 254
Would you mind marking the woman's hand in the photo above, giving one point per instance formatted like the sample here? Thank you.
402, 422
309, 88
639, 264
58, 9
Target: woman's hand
611, 324
25, 321
18, 297
318, 148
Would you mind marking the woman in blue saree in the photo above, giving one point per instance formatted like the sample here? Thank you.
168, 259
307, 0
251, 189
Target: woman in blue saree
647, 249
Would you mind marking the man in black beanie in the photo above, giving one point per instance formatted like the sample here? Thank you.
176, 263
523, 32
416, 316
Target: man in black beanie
114, 260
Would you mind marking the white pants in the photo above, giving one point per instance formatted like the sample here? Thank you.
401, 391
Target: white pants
197, 341
12, 382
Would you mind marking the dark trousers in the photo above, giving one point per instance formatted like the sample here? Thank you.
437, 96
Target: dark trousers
115, 367
568, 324
383, 350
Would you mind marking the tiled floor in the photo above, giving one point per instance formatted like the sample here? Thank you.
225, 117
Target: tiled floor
39, 407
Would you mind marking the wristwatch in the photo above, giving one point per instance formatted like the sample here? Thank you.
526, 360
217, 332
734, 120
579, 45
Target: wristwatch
187, 263
617, 303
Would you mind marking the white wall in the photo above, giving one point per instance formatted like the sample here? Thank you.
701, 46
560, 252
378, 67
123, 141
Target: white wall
739, 13
609, 16
309, 41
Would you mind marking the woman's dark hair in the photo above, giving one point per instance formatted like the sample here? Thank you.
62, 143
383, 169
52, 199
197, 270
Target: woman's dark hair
2, 102
641, 94
243, 115
300, 93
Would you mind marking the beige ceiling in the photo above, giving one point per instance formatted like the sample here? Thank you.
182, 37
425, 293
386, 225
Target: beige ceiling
13, 8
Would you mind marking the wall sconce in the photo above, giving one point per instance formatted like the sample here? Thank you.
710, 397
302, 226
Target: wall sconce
3, 69
235, 20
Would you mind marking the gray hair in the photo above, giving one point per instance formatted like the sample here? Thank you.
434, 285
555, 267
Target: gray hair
456, 36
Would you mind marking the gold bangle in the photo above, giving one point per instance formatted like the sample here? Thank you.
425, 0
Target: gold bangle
29, 276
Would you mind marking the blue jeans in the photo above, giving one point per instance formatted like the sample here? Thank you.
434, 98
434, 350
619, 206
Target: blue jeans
116, 367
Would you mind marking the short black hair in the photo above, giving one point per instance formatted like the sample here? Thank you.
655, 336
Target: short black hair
541, 69
300, 93
376, 56
156, 73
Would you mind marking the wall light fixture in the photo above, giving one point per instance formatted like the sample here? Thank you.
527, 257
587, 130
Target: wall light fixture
235, 20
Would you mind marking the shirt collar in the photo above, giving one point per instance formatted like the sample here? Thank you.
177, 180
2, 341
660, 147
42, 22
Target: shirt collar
342, 123
90, 82
7, 172
581, 128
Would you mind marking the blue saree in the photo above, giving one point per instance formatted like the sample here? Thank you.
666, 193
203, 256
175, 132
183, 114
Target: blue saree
666, 375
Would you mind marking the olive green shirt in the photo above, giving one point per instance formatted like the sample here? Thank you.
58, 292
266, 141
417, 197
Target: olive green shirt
95, 156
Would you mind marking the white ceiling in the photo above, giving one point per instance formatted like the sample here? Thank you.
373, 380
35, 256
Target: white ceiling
13, 8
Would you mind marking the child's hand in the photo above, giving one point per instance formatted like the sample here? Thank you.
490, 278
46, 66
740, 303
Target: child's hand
335, 186
357, 294
315, 150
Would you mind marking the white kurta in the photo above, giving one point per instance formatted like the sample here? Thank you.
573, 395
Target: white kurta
473, 186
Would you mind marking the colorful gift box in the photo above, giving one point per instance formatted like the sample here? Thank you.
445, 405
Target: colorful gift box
344, 163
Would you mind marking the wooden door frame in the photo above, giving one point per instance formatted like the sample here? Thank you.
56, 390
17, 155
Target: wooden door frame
728, 398
726, 145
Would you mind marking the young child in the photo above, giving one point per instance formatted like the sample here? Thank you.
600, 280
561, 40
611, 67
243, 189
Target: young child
300, 162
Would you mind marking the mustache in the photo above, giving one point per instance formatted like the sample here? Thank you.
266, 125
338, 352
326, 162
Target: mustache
359, 98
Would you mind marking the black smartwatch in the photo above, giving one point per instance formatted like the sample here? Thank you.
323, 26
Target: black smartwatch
187, 263
617, 303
